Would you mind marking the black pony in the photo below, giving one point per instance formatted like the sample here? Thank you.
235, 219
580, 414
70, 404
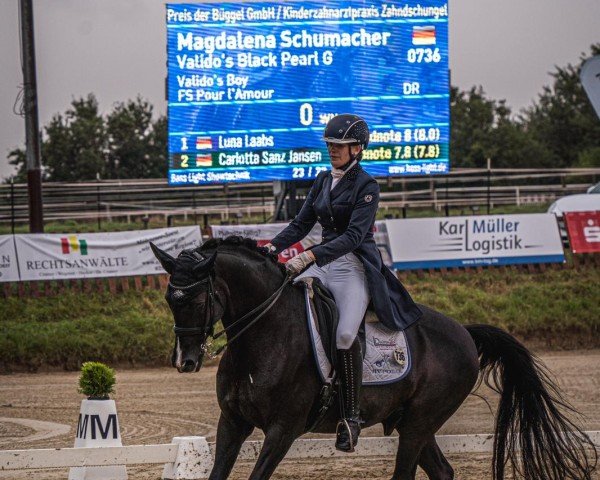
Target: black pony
267, 377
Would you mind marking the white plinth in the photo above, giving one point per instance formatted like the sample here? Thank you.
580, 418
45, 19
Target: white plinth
194, 460
98, 426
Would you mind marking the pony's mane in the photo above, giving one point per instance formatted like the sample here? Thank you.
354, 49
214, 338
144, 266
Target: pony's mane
238, 242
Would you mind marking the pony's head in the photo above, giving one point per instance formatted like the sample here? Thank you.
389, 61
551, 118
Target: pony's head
195, 304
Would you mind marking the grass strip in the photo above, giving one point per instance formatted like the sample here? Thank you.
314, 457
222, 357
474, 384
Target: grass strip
555, 309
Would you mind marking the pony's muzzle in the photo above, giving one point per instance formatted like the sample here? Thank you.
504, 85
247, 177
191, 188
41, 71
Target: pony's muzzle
187, 366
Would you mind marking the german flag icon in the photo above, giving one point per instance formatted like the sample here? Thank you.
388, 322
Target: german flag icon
423, 35
203, 143
204, 160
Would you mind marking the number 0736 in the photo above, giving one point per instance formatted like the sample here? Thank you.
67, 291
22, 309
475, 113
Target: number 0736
423, 55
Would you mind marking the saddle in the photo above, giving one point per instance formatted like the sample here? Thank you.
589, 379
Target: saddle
327, 316
386, 356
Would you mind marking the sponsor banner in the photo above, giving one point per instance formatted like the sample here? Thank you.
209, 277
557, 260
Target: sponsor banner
110, 254
264, 232
474, 241
584, 231
9, 271
383, 242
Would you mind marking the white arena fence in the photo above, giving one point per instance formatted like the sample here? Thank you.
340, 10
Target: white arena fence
192, 457
135, 199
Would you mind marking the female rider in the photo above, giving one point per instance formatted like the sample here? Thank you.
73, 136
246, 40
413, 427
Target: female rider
344, 201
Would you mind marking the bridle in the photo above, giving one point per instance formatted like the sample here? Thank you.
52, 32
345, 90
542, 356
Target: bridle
182, 294
191, 291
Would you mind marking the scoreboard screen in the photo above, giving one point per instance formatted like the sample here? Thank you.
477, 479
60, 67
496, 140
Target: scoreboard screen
251, 87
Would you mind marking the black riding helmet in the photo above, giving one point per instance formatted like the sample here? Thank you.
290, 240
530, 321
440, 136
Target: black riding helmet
347, 129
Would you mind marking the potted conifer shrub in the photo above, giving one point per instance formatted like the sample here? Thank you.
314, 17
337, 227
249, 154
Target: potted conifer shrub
98, 425
96, 381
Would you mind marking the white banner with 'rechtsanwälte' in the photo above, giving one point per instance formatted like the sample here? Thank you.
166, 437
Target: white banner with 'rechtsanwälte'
9, 271
95, 255
474, 241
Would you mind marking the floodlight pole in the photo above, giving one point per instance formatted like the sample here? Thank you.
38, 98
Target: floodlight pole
32, 131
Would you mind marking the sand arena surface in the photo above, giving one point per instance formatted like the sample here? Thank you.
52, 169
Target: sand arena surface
154, 405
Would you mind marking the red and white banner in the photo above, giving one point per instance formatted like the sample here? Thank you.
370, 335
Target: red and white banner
263, 233
584, 231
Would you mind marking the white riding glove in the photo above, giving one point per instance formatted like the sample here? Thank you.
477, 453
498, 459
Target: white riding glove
270, 247
298, 263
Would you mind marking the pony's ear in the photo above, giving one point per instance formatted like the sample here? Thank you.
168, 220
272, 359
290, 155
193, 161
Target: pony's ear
166, 260
205, 265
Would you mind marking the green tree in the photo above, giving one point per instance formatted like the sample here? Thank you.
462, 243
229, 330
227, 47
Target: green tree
81, 144
73, 145
159, 145
589, 158
471, 121
17, 158
482, 128
563, 118
135, 146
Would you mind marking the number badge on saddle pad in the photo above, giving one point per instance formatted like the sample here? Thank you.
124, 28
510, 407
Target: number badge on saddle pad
400, 357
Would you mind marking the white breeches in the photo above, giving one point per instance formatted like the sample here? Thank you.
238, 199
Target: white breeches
345, 278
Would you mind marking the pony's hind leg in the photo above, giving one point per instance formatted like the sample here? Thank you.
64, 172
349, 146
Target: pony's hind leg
230, 437
433, 462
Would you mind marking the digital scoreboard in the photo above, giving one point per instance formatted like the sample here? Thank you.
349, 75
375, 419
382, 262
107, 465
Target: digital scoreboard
252, 85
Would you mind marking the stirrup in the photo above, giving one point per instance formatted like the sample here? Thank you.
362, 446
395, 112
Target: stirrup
343, 429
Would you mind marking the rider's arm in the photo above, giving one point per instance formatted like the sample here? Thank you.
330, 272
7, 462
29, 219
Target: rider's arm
302, 224
361, 220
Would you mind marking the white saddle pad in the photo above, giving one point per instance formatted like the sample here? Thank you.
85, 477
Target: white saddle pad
387, 359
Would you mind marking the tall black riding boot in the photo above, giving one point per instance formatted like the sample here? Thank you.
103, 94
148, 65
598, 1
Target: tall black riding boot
350, 372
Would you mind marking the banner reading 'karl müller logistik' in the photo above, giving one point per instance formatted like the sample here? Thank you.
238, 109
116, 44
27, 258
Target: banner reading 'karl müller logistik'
474, 241
93, 255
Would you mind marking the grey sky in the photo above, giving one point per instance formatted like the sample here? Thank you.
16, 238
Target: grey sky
116, 49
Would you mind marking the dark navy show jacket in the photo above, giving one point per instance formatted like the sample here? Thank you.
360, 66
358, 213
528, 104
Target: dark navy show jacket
347, 215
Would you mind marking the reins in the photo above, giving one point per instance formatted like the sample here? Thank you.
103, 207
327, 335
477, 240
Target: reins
261, 309
269, 302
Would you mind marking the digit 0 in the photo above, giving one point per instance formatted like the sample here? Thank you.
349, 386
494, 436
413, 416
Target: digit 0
306, 114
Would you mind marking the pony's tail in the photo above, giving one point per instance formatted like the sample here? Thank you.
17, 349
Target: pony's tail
531, 431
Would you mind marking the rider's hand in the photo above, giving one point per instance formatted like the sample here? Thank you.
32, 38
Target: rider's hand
298, 263
270, 247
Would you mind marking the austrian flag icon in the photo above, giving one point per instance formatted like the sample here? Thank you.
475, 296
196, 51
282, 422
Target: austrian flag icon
423, 35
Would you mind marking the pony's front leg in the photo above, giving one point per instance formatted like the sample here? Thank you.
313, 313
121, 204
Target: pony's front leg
278, 440
230, 437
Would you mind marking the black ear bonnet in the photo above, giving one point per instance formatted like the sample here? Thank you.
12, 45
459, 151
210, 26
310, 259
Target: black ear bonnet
193, 274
